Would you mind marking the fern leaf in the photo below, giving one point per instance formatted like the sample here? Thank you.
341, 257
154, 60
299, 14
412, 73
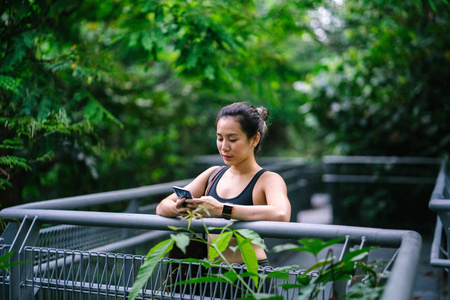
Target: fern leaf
95, 113
9, 83
14, 162
14, 143
4, 183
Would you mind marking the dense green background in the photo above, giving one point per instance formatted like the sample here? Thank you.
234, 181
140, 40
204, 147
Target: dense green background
103, 95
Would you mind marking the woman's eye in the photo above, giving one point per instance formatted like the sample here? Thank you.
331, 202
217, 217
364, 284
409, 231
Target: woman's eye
233, 141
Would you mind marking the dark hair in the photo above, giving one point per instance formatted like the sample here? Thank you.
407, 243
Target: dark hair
252, 120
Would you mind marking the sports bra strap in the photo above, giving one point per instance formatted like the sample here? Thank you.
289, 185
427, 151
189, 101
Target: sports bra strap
216, 174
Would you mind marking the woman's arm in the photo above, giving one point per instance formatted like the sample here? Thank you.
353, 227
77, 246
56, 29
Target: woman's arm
277, 208
170, 207
276, 196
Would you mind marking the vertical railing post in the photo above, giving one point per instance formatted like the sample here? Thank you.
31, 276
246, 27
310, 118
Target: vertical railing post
445, 219
333, 185
8, 236
27, 235
133, 207
15, 280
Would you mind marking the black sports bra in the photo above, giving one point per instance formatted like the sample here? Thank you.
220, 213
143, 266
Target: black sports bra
244, 198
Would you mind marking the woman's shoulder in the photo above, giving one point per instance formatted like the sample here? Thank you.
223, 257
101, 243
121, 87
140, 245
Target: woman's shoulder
212, 170
197, 186
269, 176
215, 168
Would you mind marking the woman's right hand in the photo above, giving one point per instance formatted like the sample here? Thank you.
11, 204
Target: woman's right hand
172, 207
181, 207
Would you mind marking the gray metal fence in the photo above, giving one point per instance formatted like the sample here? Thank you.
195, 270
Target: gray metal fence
89, 254
351, 179
440, 203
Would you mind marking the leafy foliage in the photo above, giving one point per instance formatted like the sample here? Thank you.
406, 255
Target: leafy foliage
152, 260
5, 264
309, 286
100, 89
330, 270
125, 93
385, 92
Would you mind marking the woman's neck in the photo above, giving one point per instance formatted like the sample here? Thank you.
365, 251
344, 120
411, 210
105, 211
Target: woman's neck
246, 167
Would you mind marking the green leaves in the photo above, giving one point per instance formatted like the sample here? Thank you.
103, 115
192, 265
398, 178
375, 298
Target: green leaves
96, 113
13, 161
249, 257
245, 239
5, 265
122, 74
376, 84
181, 240
313, 246
151, 261
254, 237
219, 244
9, 83
328, 270
309, 283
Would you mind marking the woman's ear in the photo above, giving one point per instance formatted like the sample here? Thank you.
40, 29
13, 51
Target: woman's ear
256, 139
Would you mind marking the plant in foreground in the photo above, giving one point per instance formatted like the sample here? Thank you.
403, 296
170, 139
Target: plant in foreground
326, 270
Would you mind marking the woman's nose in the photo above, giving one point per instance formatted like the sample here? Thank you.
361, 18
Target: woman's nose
224, 145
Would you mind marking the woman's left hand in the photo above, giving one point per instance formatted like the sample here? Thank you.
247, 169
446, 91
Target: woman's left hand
206, 207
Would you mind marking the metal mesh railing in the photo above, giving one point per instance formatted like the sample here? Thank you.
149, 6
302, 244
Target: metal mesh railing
440, 203
83, 237
79, 275
4, 275
74, 274
70, 274
78, 237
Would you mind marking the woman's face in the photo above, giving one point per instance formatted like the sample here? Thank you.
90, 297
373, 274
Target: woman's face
232, 142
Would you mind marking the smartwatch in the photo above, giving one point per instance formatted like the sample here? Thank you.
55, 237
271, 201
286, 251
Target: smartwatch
227, 210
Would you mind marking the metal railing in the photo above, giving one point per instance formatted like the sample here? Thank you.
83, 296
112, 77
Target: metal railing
344, 171
42, 275
440, 204
23, 282
69, 260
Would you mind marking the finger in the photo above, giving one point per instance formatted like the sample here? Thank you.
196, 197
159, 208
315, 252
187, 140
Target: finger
195, 200
192, 204
181, 203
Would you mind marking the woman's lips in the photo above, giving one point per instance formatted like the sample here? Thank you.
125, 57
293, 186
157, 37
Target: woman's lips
226, 157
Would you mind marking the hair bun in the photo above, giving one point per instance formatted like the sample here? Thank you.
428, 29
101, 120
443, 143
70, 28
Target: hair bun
263, 112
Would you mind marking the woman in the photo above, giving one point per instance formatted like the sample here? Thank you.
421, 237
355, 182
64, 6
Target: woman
243, 191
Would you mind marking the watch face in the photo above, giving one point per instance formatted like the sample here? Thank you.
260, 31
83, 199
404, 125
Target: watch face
227, 211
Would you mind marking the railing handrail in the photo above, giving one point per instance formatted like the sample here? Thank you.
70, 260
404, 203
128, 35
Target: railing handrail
104, 197
264, 160
284, 230
437, 202
358, 159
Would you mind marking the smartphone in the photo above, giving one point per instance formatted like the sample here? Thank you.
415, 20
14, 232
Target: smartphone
182, 193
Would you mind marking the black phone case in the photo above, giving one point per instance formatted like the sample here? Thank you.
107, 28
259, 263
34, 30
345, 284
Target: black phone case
182, 193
